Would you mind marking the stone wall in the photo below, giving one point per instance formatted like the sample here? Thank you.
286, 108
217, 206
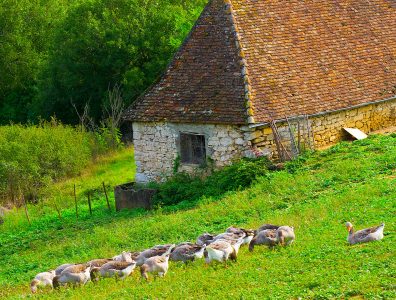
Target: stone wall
328, 128
157, 144
156, 147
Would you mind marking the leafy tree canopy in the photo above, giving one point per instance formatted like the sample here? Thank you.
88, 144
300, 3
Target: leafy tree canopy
55, 54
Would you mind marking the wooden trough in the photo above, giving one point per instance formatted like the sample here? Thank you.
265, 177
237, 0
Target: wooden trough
128, 196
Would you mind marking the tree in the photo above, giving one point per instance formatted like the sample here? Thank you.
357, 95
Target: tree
103, 43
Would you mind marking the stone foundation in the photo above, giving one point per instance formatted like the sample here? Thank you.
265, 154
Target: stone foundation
157, 144
156, 147
328, 129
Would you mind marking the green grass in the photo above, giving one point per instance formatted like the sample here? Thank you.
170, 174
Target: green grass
350, 182
113, 169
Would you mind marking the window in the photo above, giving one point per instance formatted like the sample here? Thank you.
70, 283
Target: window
192, 148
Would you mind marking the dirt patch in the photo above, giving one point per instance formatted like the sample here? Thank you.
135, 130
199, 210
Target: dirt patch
387, 130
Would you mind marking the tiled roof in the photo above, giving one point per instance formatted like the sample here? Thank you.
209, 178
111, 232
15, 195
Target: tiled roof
203, 84
297, 57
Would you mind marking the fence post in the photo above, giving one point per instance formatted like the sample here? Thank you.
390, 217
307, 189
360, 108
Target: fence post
58, 211
75, 201
107, 198
26, 209
89, 203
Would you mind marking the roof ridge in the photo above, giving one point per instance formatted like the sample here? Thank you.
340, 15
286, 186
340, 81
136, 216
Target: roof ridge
245, 73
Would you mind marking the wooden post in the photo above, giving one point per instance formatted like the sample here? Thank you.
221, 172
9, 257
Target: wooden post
75, 201
89, 203
299, 135
107, 198
26, 209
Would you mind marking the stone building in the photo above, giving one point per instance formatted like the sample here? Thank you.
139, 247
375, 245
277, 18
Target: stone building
247, 63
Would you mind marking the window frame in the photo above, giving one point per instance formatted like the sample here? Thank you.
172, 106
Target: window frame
193, 159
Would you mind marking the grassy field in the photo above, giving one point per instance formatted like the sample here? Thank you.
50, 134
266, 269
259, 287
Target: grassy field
350, 182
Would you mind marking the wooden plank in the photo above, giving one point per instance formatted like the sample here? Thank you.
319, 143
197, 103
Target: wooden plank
356, 133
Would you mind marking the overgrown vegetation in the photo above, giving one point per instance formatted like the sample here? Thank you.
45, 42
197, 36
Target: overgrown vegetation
350, 182
33, 157
54, 53
185, 190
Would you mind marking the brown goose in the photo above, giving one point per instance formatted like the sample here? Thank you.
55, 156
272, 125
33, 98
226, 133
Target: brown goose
76, 275
97, 263
118, 269
157, 250
157, 265
187, 252
264, 237
285, 235
60, 269
267, 226
205, 239
41, 280
375, 233
248, 233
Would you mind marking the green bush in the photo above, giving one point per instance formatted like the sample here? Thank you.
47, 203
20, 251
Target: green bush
32, 157
188, 189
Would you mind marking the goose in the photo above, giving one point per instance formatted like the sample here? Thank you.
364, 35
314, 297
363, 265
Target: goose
267, 226
97, 263
249, 233
264, 237
285, 235
41, 280
157, 250
156, 264
118, 269
60, 269
229, 236
75, 275
205, 239
221, 251
187, 252
126, 256
375, 233
236, 244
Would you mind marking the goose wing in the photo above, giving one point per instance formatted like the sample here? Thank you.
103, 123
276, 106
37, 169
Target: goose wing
362, 234
75, 269
219, 245
117, 265
98, 262
268, 226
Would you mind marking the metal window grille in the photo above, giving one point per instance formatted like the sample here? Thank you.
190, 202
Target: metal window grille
192, 148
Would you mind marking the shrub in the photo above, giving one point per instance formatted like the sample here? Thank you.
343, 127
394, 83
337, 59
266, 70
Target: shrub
183, 187
32, 157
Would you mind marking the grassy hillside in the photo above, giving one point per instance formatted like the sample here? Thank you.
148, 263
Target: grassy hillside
316, 194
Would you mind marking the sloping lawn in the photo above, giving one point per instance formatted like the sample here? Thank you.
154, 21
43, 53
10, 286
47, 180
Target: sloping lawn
350, 182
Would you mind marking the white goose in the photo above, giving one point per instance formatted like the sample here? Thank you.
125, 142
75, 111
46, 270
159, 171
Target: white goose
41, 280
222, 250
158, 265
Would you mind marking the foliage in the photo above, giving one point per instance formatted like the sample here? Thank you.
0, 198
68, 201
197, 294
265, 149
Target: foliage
55, 53
185, 188
33, 157
360, 187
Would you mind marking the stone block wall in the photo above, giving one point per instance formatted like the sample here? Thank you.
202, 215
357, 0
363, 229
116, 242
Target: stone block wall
156, 147
328, 129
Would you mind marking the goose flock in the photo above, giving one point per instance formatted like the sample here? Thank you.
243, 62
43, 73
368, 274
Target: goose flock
221, 247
